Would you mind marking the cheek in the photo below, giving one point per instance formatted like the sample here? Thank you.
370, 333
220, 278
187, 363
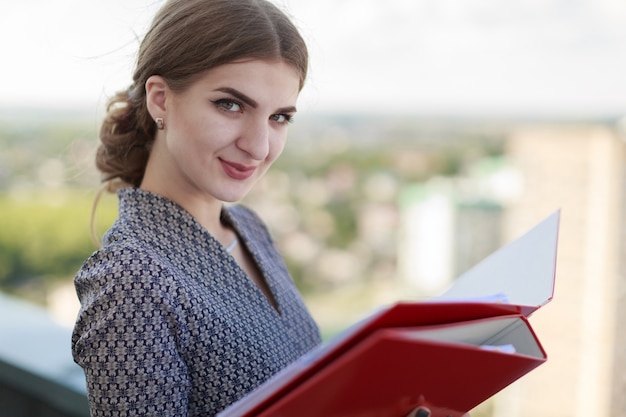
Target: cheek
197, 139
187, 146
276, 148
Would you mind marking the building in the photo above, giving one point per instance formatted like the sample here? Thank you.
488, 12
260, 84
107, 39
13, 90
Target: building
579, 169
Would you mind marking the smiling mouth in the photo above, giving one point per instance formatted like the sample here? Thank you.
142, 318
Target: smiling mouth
237, 171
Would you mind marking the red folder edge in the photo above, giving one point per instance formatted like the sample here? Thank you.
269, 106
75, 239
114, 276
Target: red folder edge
400, 314
380, 356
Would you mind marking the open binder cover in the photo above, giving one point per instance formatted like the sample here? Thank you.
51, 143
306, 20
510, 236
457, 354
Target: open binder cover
448, 354
522, 272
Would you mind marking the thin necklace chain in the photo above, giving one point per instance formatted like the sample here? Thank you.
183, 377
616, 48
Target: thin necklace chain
230, 247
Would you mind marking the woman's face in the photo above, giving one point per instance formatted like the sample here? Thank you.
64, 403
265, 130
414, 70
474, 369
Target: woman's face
223, 132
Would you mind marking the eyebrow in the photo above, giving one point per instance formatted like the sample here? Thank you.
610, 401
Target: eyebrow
250, 101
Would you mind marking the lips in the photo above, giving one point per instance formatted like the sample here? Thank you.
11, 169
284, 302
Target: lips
237, 171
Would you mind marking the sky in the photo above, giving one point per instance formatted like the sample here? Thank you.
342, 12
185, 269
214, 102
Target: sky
514, 57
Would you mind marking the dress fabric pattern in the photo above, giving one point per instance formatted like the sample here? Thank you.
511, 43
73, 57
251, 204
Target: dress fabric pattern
170, 325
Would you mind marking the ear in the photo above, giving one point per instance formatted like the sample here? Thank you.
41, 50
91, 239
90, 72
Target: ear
156, 93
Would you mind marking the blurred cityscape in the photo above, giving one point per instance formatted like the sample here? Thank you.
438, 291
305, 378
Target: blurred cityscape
370, 209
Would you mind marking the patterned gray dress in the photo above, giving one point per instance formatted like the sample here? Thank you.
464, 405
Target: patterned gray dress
170, 325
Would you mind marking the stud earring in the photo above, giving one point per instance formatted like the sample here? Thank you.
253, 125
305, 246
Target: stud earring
160, 124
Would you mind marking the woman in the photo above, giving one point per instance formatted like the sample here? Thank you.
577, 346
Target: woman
188, 306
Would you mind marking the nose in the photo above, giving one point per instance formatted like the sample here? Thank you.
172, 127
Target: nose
255, 139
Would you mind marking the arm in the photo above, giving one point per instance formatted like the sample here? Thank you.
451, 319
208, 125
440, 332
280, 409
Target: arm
127, 338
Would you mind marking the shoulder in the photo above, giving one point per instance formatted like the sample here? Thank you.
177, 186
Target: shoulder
120, 284
119, 267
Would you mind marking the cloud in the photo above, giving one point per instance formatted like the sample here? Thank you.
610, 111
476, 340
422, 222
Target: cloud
472, 55
397, 55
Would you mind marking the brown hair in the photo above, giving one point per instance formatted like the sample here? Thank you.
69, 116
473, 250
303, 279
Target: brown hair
187, 38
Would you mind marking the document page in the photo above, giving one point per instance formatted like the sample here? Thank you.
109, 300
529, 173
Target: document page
504, 334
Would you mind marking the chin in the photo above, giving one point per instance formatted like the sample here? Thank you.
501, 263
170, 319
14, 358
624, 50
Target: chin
230, 193
232, 197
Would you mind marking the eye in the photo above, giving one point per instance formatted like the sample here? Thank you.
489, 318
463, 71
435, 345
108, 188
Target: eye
229, 105
282, 119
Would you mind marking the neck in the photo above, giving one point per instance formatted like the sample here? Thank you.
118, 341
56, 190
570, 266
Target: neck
162, 178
